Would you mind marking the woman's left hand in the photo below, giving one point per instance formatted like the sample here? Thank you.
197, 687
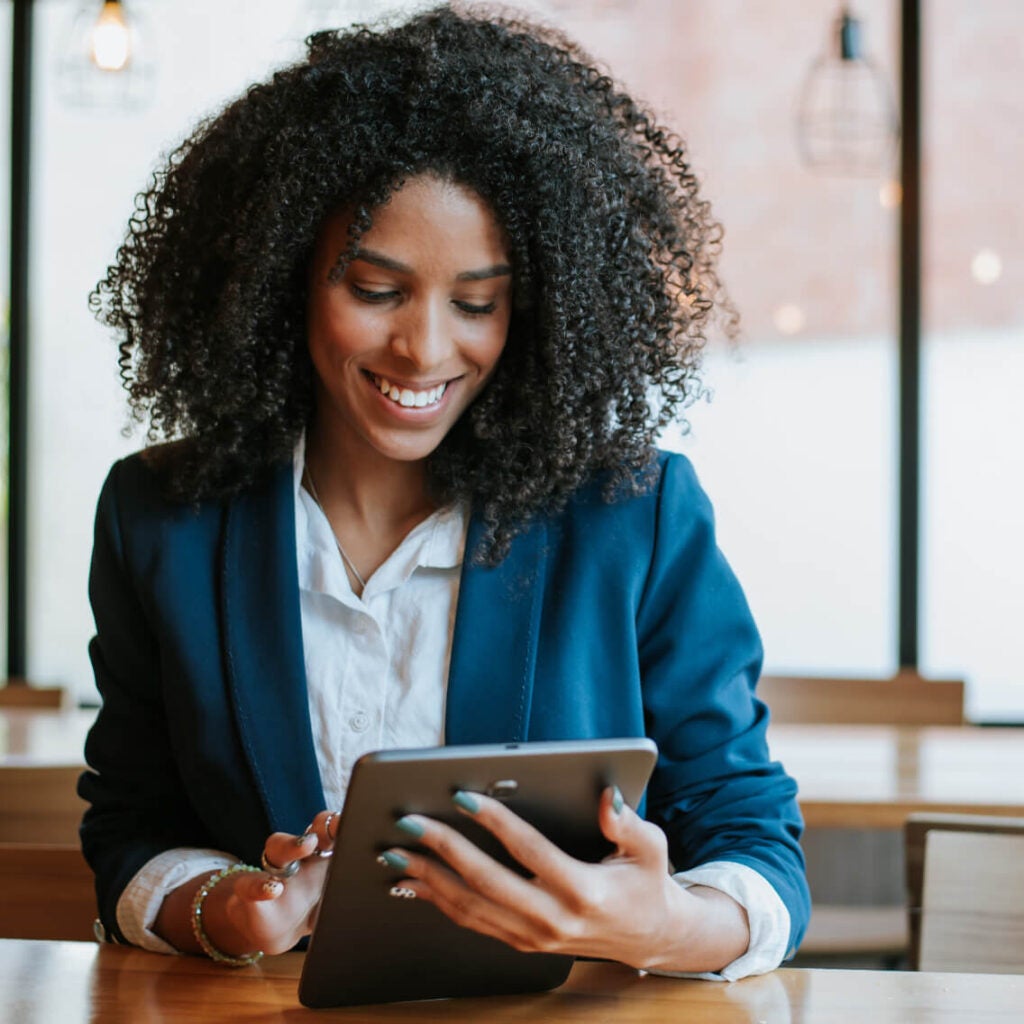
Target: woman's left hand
626, 908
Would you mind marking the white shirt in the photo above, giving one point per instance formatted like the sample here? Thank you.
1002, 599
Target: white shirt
377, 671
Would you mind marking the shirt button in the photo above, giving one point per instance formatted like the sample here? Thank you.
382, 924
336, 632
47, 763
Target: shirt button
359, 721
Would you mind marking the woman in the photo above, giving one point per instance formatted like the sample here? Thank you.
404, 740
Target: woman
417, 308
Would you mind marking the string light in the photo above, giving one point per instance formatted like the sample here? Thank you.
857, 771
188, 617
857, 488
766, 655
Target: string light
789, 318
890, 195
986, 267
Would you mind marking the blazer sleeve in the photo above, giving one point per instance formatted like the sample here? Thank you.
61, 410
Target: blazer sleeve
138, 807
715, 791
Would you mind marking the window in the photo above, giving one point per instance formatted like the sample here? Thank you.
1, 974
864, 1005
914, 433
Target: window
973, 352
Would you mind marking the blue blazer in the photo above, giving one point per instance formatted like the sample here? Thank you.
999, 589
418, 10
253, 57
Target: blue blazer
609, 619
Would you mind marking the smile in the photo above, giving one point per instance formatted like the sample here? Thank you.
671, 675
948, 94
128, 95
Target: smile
406, 396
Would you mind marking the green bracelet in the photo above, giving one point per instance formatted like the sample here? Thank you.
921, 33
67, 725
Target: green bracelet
197, 920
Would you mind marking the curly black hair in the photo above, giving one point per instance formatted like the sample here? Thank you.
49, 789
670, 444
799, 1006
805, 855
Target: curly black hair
613, 251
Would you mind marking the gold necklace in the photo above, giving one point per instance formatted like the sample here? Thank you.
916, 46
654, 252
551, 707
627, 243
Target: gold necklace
349, 564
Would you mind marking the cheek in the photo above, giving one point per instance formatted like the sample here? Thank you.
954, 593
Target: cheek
337, 332
491, 345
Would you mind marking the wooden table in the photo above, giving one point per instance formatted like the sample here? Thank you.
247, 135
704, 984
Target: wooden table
40, 761
872, 777
82, 983
856, 776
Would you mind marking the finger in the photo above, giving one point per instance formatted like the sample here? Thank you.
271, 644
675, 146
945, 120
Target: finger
325, 827
526, 844
282, 847
634, 838
465, 912
473, 886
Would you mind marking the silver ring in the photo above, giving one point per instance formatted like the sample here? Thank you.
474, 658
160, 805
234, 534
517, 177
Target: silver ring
288, 871
324, 854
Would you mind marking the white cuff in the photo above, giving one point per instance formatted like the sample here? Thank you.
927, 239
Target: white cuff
143, 896
767, 917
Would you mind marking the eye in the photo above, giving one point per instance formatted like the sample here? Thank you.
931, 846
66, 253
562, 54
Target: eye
365, 295
472, 310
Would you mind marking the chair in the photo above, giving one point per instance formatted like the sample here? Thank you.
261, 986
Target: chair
47, 891
906, 699
965, 893
854, 875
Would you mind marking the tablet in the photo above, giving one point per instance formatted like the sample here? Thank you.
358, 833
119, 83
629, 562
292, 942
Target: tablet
368, 947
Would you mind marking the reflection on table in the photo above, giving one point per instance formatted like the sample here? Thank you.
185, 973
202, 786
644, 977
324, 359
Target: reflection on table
865, 776
77, 983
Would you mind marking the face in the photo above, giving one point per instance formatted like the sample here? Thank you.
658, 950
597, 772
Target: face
410, 334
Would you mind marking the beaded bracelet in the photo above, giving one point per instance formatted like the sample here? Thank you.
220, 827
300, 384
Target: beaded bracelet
197, 920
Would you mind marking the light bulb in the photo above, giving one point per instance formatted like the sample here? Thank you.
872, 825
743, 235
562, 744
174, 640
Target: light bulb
110, 39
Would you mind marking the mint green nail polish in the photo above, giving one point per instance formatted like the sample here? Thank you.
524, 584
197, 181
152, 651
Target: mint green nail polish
410, 827
617, 801
390, 859
466, 801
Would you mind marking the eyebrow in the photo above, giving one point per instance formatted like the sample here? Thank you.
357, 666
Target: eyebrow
378, 259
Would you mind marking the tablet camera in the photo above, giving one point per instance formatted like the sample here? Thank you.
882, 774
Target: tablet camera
503, 789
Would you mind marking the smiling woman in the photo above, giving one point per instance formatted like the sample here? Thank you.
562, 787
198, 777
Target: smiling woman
413, 311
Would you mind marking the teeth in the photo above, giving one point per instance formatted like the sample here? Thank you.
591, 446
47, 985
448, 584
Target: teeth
408, 398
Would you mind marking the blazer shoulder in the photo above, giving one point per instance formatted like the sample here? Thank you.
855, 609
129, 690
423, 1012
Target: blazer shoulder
668, 479
135, 493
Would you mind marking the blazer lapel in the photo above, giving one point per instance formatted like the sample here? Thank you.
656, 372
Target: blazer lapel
494, 648
263, 640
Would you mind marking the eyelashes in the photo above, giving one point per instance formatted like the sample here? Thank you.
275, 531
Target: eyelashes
380, 298
373, 297
472, 310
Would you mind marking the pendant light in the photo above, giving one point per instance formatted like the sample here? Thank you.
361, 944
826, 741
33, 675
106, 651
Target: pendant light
846, 119
106, 60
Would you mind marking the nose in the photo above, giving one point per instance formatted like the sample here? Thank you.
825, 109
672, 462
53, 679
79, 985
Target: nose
421, 335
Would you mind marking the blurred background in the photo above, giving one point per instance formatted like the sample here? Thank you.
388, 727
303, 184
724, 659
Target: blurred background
797, 446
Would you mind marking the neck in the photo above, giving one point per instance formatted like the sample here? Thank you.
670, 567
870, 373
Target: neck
374, 493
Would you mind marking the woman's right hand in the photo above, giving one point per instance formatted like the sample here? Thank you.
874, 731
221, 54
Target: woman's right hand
254, 910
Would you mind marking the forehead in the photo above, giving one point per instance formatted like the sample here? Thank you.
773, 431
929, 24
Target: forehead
428, 220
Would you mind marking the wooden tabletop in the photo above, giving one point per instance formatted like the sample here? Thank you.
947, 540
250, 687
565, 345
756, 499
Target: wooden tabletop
35, 737
81, 983
857, 776
864, 776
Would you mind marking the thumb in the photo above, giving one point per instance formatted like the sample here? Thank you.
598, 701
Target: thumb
634, 838
258, 887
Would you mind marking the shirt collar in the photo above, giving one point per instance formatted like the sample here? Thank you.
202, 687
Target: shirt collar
439, 542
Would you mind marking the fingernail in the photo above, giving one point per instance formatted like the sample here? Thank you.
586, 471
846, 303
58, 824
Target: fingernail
410, 826
466, 801
273, 888
616, 800
402, 893
305, 837
390, 859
